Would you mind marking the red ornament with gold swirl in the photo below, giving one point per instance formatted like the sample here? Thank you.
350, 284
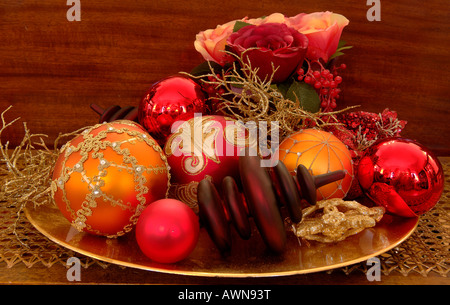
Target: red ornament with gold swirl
203, 147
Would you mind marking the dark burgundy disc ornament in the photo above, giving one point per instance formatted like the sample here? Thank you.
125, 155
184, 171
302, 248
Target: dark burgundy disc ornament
235, 206
212, 215
262, 202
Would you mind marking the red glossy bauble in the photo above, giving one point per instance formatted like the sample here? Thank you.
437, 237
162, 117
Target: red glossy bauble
401, 175
203, 147
167, 231
171, 99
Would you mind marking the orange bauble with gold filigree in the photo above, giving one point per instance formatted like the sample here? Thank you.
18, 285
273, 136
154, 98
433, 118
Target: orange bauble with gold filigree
105, 177
321, 152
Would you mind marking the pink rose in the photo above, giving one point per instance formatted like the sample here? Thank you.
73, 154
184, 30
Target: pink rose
274, 43
211, 43
272, 18
323, 30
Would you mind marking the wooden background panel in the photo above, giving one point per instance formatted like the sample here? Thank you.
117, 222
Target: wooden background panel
52, 69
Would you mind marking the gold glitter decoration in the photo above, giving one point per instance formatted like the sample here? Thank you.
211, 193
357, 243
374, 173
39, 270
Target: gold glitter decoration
333, 220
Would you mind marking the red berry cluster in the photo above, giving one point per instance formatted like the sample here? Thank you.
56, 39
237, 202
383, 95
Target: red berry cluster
212, 89
325, 82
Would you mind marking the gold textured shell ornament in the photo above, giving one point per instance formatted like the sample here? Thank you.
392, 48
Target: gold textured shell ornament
105, 177
333, 220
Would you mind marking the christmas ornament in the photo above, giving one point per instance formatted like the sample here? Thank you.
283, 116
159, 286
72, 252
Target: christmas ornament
171, 99
401, 175
115, 112
106, 176
265, 192
167, 231
204, 146
361, 129
320, 152
333, 220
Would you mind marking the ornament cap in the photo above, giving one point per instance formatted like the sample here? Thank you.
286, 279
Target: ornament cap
115, 112
309, 184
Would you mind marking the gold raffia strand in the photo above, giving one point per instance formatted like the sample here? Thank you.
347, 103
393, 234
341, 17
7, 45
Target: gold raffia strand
258, 100
333, 220
28, 166
26, 178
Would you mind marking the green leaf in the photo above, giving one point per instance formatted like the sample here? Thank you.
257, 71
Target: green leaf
305, 94
203, 68
336, 55
283, 87
341, 46
341, 43
344, 48
239, 25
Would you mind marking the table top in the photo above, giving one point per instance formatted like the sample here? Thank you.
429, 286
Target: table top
28, 257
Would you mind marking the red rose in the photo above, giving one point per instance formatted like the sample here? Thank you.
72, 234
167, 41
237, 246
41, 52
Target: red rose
277, 43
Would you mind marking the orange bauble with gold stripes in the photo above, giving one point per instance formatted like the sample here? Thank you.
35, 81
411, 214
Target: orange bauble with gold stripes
105, 177
321, 152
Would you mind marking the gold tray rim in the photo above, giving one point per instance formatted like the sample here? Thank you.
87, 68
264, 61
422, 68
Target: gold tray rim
107, 259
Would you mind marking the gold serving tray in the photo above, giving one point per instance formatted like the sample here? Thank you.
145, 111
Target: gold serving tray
247, 258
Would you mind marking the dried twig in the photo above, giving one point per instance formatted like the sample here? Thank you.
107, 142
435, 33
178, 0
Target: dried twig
25, 171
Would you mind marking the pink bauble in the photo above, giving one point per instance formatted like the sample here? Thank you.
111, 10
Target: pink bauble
167, 231
203, 147
401, 175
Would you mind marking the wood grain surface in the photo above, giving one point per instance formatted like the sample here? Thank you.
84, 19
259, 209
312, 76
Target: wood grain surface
52, 69
56, 275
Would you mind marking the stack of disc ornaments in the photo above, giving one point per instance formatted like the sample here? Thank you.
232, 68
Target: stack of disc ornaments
263, 194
